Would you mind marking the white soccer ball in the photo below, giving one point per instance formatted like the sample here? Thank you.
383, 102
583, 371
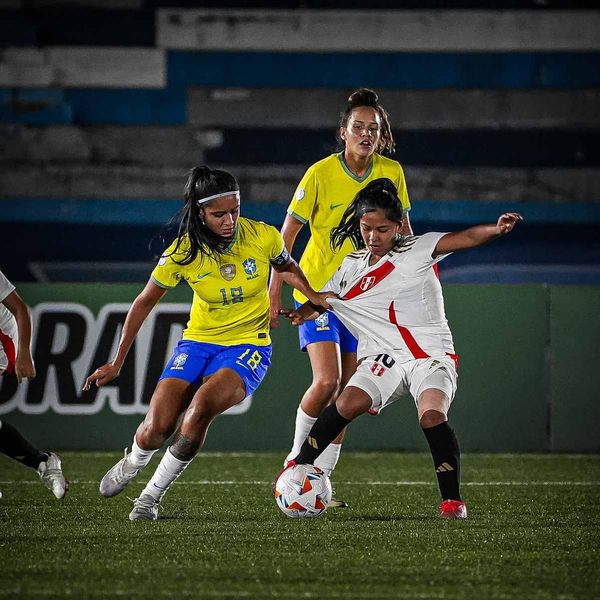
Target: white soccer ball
303, 491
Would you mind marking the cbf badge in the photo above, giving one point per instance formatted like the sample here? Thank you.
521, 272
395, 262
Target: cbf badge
179, 362
322, 322
250, 268
228, 272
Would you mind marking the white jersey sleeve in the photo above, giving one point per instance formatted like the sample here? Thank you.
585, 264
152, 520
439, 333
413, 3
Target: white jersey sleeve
6, 287
422, 249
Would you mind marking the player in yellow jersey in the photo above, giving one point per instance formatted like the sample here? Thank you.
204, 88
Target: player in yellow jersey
324, 193
226, 348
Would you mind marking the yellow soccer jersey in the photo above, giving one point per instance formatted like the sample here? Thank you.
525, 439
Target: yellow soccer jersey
231, 303
322, 196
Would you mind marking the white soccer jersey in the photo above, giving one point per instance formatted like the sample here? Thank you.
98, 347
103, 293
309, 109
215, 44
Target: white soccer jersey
8, 327
395, 304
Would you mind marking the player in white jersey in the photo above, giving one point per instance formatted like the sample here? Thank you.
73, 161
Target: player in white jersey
388, 295
15, 356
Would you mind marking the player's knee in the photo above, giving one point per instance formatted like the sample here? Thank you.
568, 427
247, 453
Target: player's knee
325, 388
154, 431
431, 418
350, 408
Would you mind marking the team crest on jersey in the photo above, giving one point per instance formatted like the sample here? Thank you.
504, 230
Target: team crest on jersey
366, 283
179, 362
250, 268
228, 272
377, 370
322, 322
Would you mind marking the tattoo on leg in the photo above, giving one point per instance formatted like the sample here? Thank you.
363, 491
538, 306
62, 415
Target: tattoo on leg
183, 448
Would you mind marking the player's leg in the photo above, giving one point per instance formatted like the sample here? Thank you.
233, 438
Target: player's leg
170, 398
351, 403
437, 391
47, 464
232, 374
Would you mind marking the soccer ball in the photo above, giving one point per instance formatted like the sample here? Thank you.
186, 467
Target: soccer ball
303, 491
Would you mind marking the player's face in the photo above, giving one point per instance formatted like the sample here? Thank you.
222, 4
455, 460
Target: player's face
378, 232
221, 215
361, 134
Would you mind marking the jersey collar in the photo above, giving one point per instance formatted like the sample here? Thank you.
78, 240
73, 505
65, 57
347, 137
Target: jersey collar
350, 173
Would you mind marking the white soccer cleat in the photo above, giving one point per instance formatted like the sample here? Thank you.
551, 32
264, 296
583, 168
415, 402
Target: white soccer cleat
145, 508
52, 477
118, 477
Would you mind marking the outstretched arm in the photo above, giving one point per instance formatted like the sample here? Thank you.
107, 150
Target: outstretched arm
477, 235
142, 306
24, 367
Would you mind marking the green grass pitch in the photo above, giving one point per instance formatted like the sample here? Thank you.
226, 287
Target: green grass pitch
532, 533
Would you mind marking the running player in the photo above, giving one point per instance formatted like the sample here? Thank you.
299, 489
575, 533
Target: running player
322, 196
15, 355
389, 296
226, 347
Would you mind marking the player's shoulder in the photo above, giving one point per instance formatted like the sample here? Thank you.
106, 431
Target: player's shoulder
388, 164
324, 165
355, 257
254, 227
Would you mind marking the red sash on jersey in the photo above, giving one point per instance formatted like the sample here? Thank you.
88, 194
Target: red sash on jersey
410, 341
370, 280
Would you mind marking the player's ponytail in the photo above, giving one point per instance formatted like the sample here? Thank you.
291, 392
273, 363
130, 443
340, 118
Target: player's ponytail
378, 194
368, 97
202, 182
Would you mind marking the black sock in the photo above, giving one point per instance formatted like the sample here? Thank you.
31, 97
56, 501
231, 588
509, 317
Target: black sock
446, 459
326, 428
13, 444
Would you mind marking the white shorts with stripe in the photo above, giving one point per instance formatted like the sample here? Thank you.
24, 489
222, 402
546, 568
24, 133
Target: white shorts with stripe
385, 379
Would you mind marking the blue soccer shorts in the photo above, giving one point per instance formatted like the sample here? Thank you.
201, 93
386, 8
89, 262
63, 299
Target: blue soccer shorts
326, 328
193, 361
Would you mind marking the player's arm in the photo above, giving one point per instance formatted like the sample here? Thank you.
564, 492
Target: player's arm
289, 232
307, 312
292, 274
476, 236
142, 306
406, 228
24, 367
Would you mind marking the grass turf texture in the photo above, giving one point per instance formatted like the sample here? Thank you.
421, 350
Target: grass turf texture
523, 538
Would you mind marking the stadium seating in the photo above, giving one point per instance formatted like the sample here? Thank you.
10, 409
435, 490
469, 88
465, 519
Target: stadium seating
112, 102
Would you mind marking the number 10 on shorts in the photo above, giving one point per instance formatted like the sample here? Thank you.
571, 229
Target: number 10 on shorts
253, 361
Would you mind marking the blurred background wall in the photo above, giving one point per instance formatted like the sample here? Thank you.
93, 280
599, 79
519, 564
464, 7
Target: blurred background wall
104, 106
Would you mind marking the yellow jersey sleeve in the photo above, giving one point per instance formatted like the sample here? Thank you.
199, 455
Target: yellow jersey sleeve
400, 184
305, 197
168, 273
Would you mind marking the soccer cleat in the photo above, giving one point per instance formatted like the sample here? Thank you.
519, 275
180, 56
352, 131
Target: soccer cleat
336, 502
117, 478
52, 477
145, 508
453, 509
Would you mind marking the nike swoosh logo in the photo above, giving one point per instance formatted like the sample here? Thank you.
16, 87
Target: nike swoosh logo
332, 206
201, 276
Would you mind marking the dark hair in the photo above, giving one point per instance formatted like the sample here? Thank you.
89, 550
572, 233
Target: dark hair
201, 183
367, 97
379, 193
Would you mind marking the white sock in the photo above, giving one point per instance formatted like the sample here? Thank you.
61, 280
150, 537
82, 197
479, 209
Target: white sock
304, 424
168, 470
328, 459
138, 457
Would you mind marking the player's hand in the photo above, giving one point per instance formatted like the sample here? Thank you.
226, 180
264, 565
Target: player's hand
101, 376
320, 299
24, 368
293, 315
506, 223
